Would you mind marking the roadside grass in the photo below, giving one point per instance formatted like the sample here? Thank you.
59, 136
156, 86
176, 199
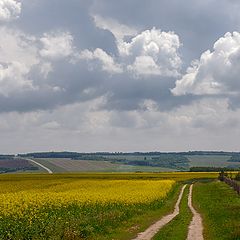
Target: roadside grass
219, 206
177, 229
140, 222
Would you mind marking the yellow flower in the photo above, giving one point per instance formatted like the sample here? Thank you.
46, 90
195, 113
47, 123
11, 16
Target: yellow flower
59, 194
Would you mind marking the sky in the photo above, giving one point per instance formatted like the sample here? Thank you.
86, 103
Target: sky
108, 75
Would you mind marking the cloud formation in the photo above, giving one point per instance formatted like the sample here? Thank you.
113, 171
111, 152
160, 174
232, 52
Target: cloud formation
117, 29
17, 57
151, 52
56, 45
25, 69
120, 74
9, 10
105, 60
216, 72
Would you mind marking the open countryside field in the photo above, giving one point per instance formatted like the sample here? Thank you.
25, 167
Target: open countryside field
71, 206
60, 162
108, 205
211, 161
60, 165
10, 164
220, 208
66, 162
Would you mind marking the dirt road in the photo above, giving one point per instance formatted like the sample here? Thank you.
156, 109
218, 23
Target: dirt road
195, 229
153, 229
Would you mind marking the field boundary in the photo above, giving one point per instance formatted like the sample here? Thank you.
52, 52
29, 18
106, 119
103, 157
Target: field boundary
232, 183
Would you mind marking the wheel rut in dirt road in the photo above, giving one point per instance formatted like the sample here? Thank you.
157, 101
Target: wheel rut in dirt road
153, 229
195, 229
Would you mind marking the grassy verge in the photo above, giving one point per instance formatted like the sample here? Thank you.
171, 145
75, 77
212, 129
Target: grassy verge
219, 206
177, 229
138, 223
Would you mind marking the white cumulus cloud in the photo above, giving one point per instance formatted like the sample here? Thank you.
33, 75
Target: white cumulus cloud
152, 52
18, 55
106, 61
117, 29
21, 64
13, 78
216, 72
9, 9
56, 45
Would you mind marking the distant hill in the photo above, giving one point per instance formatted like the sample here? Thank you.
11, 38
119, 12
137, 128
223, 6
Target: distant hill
73, 155
172, 160
52, 155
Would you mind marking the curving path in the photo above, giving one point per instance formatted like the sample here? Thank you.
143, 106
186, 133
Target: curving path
40, 165
195, 229
153, 229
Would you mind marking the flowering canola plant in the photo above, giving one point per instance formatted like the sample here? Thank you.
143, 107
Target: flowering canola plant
17, 203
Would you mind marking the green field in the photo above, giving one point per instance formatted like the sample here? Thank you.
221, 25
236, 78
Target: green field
60, 165
69, 162
220, 208
110, 164
211, 161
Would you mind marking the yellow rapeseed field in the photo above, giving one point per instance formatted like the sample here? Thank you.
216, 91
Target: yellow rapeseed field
82, 206
14, 202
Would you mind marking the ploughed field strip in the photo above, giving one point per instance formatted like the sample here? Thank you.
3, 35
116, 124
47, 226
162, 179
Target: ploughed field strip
40, 165
195, 229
